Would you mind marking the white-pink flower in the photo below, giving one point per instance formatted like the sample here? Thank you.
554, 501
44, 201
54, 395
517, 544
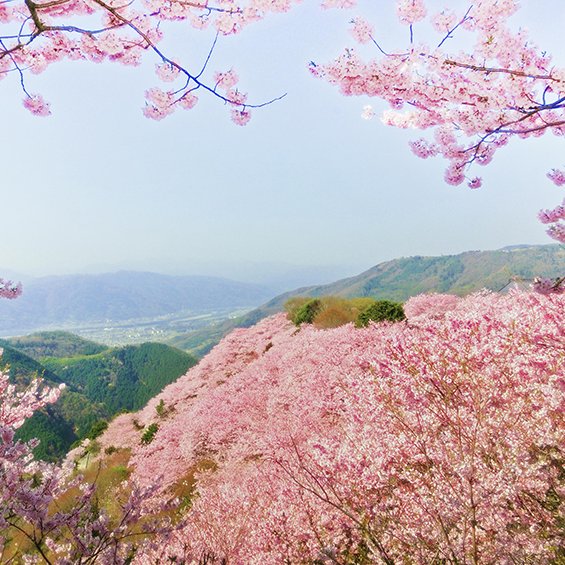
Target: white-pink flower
37, 105
557, 176
362, 31
368, 113
410, 11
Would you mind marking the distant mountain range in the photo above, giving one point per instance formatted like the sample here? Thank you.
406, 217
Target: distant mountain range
71, 302
460, 274
400, 279
63, 301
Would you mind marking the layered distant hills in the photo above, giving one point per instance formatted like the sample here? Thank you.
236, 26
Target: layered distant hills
63, 301
400, 279
101, 382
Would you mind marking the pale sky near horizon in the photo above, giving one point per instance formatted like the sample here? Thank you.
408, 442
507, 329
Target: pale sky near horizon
98, 187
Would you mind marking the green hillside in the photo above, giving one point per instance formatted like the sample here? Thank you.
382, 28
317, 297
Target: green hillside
123, 378
23, 368
99, 385
400, 279
54, 344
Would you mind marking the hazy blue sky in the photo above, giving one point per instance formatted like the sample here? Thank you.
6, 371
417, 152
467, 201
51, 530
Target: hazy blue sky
97, 187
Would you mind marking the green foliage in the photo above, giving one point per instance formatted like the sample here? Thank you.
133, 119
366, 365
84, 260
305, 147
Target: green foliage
93, 448
292, 305
23, 369
97, 429
121, 472
80, 411
55, 434
380, 311
307, 312
149, 433
161, 409
124, 378
326, 311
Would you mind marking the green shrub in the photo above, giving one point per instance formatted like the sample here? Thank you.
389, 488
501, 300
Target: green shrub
380, 311
292, 305
149, 434
97, 428
307, 312
121, 472
160, 409
93, 448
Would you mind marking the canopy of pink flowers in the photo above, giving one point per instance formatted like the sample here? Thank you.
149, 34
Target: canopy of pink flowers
440, 437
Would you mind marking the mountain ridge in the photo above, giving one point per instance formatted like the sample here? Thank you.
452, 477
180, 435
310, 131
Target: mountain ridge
61, 301
399, 279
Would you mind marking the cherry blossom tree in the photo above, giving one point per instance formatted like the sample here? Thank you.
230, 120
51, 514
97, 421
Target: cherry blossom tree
36, 523
472, 101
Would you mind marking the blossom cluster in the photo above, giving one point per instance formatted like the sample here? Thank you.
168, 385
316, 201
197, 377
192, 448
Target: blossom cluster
556, 217
9, 289
471, 101
35, 35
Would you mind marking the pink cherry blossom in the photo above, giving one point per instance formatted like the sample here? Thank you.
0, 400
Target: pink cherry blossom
167, 72
226, 81
551, 216
36, 105
240, 117
410, 11
472, 102
322, 442
557, 176
362, 31
9, 289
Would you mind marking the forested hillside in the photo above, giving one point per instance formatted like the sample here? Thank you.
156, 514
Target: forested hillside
124, 378
100, 382
53, 344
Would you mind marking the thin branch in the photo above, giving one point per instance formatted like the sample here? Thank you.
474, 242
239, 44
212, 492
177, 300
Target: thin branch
384, 52
8, 52
463, 20
489, 70
209, 55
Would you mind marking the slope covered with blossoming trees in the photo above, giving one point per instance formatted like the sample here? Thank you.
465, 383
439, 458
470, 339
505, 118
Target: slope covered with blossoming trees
440, 438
